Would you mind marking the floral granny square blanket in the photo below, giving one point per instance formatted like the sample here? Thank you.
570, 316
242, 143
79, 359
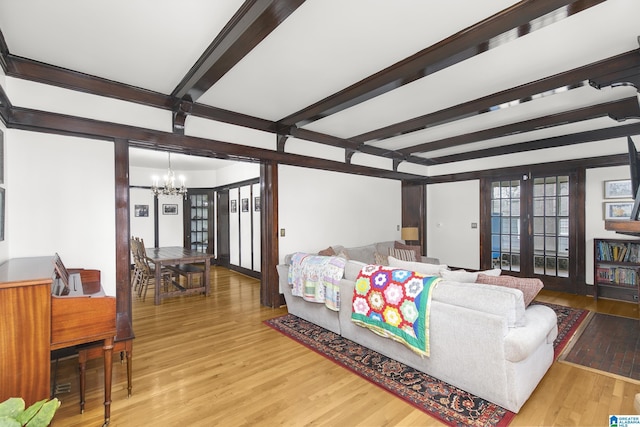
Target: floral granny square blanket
394, 303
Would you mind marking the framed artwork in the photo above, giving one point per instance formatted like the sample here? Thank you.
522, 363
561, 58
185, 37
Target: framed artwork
256, 204
141, 210
618, 189
617, 210
234, 206
170, 209
245, 205
2, 210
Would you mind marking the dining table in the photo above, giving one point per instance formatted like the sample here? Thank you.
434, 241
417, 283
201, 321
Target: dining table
176, 255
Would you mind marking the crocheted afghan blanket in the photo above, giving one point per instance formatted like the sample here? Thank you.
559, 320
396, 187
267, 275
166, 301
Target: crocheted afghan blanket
395, 304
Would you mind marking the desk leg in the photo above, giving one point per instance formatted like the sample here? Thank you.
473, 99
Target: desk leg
156, 287
108, 353
129, 355
207, 267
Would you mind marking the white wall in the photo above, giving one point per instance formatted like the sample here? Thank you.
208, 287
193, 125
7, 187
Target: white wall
257, 227
4, 244
451, 208
318, 209
62, 199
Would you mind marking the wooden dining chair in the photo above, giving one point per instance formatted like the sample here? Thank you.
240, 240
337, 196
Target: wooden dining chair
147, 271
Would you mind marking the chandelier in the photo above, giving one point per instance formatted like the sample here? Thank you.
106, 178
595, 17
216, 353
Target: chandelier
169, 188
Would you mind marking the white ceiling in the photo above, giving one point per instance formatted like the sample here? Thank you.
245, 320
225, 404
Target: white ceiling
323, 47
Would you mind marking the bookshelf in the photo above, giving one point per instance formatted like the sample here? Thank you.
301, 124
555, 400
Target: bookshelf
617, 269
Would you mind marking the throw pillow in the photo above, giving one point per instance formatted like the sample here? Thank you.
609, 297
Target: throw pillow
416, 249
327, 252
381, 259
463, 276
529, 287
402, 254
419, 267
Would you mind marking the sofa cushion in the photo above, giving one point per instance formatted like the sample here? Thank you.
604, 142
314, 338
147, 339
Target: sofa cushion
497, 300
352, 269
467, 276
362, 253
420, 267
402, 254
381, 259
529, 286
416, 249
327, 252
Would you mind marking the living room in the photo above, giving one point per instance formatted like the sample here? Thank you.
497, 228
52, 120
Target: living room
64, 172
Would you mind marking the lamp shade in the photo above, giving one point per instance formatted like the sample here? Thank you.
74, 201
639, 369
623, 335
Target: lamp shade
409, 233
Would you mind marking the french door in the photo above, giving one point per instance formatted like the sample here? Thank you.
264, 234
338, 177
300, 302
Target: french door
531, 227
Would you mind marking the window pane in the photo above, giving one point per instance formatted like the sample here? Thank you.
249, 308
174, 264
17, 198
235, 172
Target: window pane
550, 245
563, 267
538, 207
495, 242
515, 207
505, 210
538, 187
515, 244
495, 207
495, 224
550, 226
506, 225
538, 225
538, 244
564, 206
563, 246
563, 185
504, 244
538, 264
515, 225
495, 190
550, 206
550, 186
515, 262
550, 267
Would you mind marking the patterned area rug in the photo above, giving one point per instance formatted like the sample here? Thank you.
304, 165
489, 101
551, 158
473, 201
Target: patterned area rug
436, 398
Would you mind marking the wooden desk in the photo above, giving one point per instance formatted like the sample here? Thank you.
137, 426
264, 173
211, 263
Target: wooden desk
172, 255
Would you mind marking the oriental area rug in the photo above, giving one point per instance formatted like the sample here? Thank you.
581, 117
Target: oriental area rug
434, 397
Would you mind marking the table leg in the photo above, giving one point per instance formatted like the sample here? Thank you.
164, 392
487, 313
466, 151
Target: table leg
108, 353
207, 267
156, 287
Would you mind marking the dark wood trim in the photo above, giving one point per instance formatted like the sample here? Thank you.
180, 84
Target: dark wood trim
523, 93
618, 110
602, 135
123, 260
42, 121
459, 47
414, 203
579, 243
269, 247
254, 21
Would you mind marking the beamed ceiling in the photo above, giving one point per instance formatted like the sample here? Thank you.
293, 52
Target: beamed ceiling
410, 83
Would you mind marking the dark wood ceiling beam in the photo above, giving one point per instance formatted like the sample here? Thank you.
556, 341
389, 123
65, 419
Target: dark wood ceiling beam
43, 121
623, 109
558, 141
28, 69
254, 21
523, 93
450, 51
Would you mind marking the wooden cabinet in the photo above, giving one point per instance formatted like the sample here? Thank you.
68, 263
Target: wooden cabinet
617, 269
198, 221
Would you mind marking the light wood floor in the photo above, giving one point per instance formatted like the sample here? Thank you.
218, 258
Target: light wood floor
211, 361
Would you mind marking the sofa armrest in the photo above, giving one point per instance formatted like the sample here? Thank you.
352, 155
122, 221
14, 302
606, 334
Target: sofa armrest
541, 325
429, 260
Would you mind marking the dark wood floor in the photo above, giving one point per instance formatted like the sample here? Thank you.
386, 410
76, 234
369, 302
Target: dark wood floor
609, 343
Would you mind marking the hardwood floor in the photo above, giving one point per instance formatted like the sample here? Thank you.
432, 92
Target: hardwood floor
211, 361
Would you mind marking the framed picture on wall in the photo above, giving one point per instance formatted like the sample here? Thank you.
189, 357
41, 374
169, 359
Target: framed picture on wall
245, 205
141, 210
170, 209
618, 189
234, 206
617, 210
256, 204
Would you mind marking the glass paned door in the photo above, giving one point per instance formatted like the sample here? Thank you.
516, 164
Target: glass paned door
505, 225
530, 227
551, 226
199, 227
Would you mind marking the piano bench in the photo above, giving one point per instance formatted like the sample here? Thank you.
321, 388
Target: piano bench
95, 351
188, 271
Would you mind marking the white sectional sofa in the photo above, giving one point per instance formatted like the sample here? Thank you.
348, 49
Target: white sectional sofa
482, 337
